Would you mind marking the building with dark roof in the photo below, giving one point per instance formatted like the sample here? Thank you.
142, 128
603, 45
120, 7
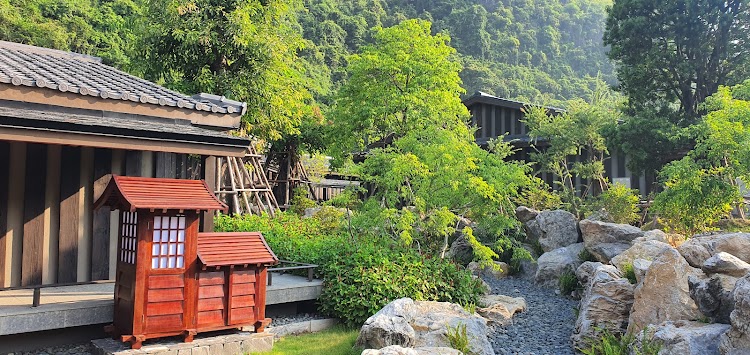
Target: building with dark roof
67, 123
495, 116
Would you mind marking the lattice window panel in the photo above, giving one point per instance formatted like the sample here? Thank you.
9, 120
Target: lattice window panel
168, 248
128, 237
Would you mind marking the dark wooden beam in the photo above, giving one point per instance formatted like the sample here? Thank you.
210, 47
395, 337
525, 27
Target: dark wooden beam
70, 213
208, 172
165, 165
33, 214
4, 174
100, 242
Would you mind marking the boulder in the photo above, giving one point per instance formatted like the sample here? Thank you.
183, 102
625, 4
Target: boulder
586, 271
559, 229
640, 267
499, 308
725, 263
460, 250
533, 232
474, 268
686, 337
414, 324
642, 249
664, 294
607, 240
601, 215
551, 265
500, 270
525, 214
605, 304
398, 350
698, 249
737, 339
713, 296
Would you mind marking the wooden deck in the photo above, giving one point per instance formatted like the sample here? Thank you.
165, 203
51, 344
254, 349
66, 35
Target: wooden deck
72, 306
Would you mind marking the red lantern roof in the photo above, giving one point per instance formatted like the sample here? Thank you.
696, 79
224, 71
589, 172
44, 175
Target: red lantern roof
132, 193
238, 248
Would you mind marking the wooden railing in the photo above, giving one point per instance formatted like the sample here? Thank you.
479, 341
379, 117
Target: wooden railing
299, 266
37, 294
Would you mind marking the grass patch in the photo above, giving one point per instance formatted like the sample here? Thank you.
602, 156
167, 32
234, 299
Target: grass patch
335, 341
629, 273
568, 283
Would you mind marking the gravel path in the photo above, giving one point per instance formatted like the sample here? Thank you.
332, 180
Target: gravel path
544, 328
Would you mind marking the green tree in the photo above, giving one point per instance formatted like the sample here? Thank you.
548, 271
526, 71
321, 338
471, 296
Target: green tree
426, 172
562, 137
244, 50
676, 50
703, 187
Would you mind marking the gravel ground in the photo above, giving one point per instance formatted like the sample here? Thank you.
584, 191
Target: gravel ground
546, 326
279, 321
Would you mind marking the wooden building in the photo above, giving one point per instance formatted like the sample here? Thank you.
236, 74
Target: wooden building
494, 116
172, 280
67, 122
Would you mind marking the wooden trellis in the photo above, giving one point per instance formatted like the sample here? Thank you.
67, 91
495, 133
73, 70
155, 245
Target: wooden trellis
243, 182
285, 173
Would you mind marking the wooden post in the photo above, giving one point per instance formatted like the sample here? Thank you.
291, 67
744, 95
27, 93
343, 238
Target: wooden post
33, 214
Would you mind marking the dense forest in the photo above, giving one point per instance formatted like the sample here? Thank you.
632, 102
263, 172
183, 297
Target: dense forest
534, 50
540, 51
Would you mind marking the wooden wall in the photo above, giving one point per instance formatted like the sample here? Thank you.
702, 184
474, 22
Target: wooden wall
49, 232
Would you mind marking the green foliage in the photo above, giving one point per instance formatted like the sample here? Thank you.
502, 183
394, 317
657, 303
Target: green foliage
673, 51
609, 343
335, 341
330, 218
585, 255
568, 283
629, 273
300, 200
695, 198
579, 131
100, 28
620, 203
360, 275
244, 50
458, 339
427, 172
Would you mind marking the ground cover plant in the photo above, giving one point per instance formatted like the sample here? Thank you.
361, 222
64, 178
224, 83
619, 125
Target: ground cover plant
335, 341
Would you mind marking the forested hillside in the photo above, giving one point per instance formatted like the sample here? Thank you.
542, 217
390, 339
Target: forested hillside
535, 50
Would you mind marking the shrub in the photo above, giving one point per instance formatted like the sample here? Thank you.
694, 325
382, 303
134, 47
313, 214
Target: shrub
299, 201
458, 338
360, 275
620, 203
568, 283
615, 344
629, 273
585, 255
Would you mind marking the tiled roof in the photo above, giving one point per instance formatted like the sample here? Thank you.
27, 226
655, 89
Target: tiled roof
132, 193
23, 65
480, 96
234, 248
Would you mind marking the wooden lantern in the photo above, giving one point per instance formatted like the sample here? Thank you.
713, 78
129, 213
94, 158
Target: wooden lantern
172, 280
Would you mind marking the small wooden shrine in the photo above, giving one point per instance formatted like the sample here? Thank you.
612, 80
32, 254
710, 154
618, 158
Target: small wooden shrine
172, 280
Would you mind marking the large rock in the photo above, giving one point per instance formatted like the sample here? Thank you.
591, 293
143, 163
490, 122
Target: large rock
646, 250
664, 294
605, 303
640, 267
499, 308
559, 229
725, 263
697, 250
737, 339
399, 350
415, 324
686, 337
460, 251
713, 296
525, 214
551, 265
607, 240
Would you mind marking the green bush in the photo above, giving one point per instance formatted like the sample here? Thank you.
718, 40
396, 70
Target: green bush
629, 273
616, 344
458, 338
620, 202
568, 283
585, 255
360, 275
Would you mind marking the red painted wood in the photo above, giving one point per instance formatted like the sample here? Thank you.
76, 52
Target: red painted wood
165, 294
163, 308
166, 281
223, 249
133, 193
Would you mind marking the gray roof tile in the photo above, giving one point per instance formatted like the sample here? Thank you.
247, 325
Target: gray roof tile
24, 65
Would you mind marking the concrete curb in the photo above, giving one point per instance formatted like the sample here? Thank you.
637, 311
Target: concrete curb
311, 326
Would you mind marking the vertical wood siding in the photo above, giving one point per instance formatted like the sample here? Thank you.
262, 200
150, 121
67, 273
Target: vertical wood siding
70, 195
100, 251
52, 215
4, 172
